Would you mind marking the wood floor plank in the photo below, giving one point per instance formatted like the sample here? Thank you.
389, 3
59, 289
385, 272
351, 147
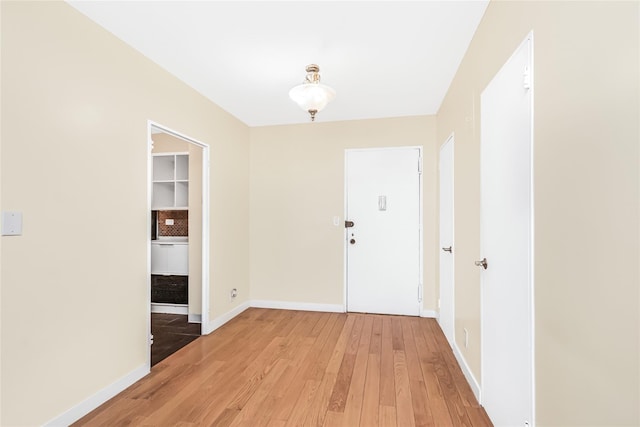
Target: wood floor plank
353, 407
276, 423
270, 407
387, 415
327, 367
298, 414
404, 407
376, 335
318, 406
397, 339
320, 324
427, 333
421, 411
278, 368
371, 398
341, 388
251, 409
171, 403
292, 383
437, 405
117, 415
338, 351
254, 374
387, 379
324, 347
452, 398
333, 419
290, 320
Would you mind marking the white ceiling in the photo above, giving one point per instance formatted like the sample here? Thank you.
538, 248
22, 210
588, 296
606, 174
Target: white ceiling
384, 59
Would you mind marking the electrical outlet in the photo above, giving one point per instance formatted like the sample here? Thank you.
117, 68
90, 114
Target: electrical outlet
233, 293
466, 338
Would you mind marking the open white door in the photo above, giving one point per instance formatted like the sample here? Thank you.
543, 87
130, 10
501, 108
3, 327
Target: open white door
506, 242
384, 245
447, 293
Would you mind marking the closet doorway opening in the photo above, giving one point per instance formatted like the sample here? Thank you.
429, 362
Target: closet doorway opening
178, 240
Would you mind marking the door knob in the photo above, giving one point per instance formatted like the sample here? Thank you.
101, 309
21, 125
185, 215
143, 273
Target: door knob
352, 241
482, 263
449, 249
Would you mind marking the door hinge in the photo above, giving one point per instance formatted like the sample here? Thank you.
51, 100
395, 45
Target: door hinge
526, 78
419, 292
150, 339
419, 165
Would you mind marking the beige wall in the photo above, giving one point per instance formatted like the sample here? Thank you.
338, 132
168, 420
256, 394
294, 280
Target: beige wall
75, 105
297, 187
165, 143
586, 200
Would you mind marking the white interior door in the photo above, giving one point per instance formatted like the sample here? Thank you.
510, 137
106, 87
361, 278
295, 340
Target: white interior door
384, 244
447, 292
506, 242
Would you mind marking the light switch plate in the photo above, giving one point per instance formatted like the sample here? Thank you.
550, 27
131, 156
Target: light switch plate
11, 223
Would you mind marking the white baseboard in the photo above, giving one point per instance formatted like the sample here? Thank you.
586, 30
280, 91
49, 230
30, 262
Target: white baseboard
429, 313
221, 320
195, 318
473, 383
92, 402
302, 306
281, 305
169, 308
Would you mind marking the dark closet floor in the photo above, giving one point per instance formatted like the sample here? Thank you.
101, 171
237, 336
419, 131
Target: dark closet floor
170, 332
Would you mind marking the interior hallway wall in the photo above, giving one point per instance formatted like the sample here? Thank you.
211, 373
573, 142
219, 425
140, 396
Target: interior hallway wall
75, 105
586, 219
297, 187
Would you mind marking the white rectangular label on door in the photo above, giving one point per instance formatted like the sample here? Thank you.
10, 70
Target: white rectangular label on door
382, 203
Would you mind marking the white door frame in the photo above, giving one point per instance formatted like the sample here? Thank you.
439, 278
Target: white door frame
420, 217
452, 338
530, 291
205, 224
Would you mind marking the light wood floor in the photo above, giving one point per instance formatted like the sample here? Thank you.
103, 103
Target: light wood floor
292, 368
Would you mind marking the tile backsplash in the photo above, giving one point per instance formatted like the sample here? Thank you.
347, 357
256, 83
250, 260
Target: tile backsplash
180, 225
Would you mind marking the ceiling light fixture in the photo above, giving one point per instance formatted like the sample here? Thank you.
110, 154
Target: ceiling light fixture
312, 96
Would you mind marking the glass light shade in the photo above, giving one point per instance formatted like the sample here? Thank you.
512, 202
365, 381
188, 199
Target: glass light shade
312, 96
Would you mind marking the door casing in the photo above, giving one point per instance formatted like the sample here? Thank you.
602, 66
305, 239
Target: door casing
205, 225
